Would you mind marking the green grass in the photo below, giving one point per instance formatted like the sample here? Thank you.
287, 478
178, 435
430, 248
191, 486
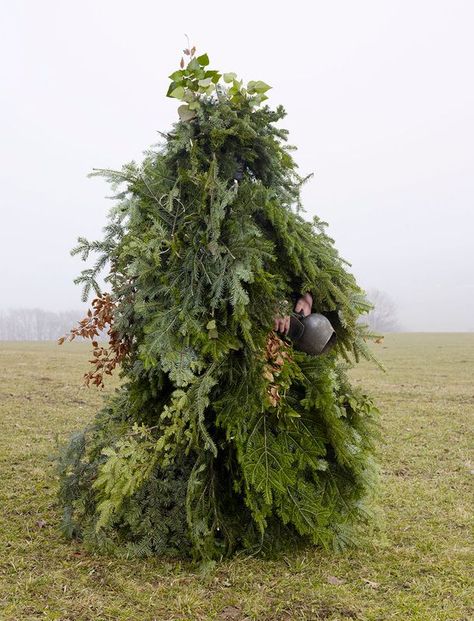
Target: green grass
417, 566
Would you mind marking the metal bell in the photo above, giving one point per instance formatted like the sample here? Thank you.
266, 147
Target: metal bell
312, 334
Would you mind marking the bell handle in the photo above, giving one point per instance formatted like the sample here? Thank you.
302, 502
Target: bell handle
299, 315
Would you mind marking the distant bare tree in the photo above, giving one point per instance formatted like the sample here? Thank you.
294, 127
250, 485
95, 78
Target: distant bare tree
35, 324
383, 317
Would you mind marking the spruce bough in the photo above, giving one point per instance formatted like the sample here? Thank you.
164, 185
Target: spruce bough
222, 436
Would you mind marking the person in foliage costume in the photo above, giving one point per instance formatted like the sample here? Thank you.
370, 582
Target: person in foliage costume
223, 435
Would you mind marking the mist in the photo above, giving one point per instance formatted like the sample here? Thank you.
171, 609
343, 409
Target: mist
380, 104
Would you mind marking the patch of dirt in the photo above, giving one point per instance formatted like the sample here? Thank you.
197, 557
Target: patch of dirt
231, 613
401, 472
316, 612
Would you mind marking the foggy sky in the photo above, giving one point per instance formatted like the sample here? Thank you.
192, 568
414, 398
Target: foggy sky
380, 103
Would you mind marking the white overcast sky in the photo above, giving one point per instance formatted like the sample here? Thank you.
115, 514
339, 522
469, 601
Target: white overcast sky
380, 103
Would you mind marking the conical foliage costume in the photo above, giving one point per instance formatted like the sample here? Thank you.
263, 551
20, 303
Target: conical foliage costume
222, 435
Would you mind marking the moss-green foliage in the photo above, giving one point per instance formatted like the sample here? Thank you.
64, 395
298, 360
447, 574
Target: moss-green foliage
189, 455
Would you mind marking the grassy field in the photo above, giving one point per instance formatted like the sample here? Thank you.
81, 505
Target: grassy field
418, 566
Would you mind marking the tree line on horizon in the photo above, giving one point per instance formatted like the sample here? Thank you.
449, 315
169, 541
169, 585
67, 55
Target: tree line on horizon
36, 324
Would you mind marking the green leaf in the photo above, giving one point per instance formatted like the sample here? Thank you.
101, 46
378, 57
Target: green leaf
228, 77
194, 65
178, 92
261, 87
256, 100
188, 96
176, 75
205, 82
171, 88
214, 75
199, 74
193, 85
185, 114
203, 60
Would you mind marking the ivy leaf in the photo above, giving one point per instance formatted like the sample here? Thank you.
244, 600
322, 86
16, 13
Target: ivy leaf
203, 60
